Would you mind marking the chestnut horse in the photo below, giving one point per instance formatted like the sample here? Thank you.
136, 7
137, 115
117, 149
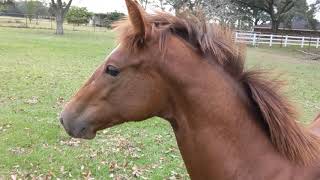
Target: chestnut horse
229, 123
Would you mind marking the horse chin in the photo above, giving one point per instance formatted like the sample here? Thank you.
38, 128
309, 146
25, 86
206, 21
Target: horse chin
84, 135
88, 136
91, 133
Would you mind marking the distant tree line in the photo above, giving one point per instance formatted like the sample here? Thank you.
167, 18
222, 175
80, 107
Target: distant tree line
61, 10
240, 14
10, 7
80, 15
244, 14
111, 17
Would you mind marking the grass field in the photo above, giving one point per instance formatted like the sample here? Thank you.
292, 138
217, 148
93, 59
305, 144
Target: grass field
40, 71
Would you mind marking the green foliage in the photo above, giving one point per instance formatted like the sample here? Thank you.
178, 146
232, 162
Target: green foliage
78, 15
144, 3
110, 18
245, 13
302, 12
2, 8
298, 11
276, 9
31, 7
6, 5
311, 13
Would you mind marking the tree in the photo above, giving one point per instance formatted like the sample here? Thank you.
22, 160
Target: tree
177, 5
161, 4
180, 7
60, 9
302, 12
112, 17
218, 10
227, 12
5, 5
41, 9
78, 15
276, 9
31, 7
298, 12
311, 13
144, 3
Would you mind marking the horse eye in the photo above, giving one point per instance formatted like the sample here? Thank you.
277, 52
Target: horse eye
112, 71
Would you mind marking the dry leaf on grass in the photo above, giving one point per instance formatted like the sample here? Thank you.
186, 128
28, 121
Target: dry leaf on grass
32, 101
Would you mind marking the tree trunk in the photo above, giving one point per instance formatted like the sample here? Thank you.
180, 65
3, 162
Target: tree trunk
256, 21
60, 11
146, 4
59, 21
275, 26
162, 5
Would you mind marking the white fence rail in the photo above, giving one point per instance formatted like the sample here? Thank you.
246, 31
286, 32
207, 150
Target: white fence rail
255, 39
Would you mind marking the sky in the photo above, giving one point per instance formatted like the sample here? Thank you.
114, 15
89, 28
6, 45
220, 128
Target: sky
103, 6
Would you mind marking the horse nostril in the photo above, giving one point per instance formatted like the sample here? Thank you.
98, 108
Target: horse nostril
82, 129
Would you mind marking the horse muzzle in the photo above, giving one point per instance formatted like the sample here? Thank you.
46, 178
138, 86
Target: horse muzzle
76, 127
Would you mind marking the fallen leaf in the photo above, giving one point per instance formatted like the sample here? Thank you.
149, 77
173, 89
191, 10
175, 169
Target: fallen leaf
33, 100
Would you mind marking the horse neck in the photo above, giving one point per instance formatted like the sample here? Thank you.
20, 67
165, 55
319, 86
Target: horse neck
216, 132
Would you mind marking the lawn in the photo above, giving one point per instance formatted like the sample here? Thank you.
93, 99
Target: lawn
40, 71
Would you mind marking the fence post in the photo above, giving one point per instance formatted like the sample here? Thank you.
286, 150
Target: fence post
286, 41
254, 39
302, 43
94, 25
236, 39
26, 21
271, 37
318, 40
50, 22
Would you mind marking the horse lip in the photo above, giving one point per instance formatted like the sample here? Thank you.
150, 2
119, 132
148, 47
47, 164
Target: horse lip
67, 130
86, 134
82, 134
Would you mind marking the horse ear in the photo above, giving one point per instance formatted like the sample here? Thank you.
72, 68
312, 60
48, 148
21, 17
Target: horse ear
136, 17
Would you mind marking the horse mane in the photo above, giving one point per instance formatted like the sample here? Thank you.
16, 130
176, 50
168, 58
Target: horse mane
292, 140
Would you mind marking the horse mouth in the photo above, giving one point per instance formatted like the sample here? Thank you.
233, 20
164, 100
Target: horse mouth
87, 135
84, 133
85, 130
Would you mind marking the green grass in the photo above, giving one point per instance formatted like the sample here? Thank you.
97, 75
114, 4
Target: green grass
39, 71
302, 76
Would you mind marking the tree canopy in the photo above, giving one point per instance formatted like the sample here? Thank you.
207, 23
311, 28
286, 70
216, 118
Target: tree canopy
248, 13
78, 15
112, 17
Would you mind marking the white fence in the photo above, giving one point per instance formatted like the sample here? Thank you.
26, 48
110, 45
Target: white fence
255, 39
